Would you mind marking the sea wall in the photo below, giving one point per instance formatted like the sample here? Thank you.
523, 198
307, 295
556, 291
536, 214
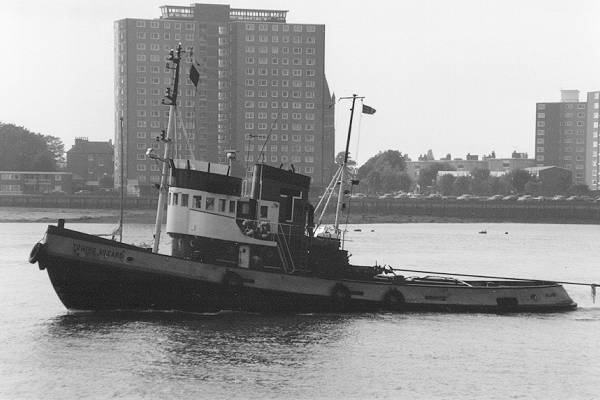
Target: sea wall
363, 209
77, 201
486, 210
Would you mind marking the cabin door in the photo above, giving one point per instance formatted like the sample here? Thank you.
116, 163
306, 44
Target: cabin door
244, 258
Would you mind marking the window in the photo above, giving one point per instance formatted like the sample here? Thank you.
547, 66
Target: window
184, 199
175, 198
222, 205
210, 203
264, 211
232, 206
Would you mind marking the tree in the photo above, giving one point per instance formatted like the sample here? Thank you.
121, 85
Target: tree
404, 181
446, 184
462, 185
383, 171
57, 148
428, 174
480, 184
373, 182
22, 150
519, 178
339, 159
579, 190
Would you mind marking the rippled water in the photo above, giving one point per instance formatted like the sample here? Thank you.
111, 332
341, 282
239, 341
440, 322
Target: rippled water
47, 352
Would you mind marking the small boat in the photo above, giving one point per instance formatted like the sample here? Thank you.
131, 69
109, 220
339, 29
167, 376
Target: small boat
258, 250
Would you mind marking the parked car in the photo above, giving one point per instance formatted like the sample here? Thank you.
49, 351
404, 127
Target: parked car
434, 196
401, 196
538, 198
467, 197
386, 196
495, 197
510, 197
573, 198
358, 196
525, 198
80, 192
558, 197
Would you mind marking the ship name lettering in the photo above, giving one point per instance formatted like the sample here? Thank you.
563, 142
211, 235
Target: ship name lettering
83, 250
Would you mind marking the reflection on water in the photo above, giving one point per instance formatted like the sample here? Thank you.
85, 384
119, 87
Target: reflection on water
48, 352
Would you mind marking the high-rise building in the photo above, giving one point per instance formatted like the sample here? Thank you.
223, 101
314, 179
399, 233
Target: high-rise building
262, 91
561, 136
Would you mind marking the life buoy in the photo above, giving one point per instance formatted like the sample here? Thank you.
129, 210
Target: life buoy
340, 297
37, 252
393, 300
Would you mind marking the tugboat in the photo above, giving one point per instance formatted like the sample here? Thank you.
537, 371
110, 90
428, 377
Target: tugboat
256, 251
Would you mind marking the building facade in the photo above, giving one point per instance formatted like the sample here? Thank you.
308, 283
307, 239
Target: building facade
91, 161
35, 182
465, 167
564, 136
262, 91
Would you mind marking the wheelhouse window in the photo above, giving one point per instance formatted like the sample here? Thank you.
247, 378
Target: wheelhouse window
232, 206
184, 199
197, 201
175, 198
210, 203
222, 205
264, 211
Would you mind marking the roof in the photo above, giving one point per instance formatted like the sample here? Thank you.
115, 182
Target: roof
537, 169
37, 172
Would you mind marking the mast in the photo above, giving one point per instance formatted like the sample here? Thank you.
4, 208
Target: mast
342, 174
171, 100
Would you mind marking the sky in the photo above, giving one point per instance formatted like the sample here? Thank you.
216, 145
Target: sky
456, 77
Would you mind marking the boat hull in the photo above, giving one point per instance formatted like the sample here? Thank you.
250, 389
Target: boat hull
91, 273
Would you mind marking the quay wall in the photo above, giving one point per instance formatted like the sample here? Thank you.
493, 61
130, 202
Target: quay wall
502, 211
77, 201
548, 211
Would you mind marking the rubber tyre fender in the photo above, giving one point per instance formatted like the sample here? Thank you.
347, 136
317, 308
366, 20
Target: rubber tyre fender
393, 300
232, 282
38, 252
340, 297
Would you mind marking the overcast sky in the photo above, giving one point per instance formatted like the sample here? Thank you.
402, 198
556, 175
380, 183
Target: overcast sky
453, 76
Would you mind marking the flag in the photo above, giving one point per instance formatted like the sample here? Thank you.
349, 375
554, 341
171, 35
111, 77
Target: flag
194, 75
368, 110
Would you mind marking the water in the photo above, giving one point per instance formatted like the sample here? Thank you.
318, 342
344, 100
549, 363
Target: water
47, 352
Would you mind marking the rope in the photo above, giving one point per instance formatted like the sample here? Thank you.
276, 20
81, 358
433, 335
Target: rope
497, 277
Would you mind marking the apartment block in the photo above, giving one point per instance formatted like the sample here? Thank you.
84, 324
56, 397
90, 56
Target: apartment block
563, 136
262, 91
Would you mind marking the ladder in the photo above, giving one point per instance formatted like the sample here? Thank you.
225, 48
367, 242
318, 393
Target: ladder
284, 251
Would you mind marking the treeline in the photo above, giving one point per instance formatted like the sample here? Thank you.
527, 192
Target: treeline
23, 150
386, 173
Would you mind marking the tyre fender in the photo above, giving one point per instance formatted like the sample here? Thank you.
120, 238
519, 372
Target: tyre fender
232, 282
38, 252
340, 297
393, 300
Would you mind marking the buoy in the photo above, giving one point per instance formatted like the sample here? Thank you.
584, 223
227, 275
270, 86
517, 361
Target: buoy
483, 232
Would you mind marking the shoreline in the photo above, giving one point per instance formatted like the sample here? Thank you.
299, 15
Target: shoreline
108, 216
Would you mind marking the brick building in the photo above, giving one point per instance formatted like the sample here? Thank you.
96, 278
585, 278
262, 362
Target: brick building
91, 161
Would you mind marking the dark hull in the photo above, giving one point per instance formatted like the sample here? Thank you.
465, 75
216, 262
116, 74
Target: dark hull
90, 273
